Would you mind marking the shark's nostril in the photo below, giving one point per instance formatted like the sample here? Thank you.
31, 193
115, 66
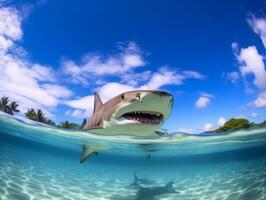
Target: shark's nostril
138, 96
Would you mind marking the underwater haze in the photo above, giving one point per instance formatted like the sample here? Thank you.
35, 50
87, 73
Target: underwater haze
42, 162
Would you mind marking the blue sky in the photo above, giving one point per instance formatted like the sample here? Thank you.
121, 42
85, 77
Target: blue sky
209, 54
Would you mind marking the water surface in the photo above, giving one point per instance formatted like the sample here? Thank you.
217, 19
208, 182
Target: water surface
42, 162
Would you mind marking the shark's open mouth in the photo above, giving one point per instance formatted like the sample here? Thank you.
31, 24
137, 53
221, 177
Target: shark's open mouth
144, 117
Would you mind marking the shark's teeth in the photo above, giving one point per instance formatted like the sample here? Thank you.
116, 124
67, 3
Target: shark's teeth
144, 117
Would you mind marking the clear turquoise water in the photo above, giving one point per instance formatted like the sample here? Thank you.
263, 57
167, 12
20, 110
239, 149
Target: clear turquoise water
38, 162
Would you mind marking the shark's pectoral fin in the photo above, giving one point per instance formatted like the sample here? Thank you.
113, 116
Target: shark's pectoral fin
160, 133
91, 149
86, 152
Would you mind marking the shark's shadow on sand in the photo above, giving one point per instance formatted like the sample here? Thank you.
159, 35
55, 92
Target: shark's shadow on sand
146, 189
140, 181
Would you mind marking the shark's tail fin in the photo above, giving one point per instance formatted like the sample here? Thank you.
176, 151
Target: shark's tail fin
169, 184
170, 187
135, 176
136, 180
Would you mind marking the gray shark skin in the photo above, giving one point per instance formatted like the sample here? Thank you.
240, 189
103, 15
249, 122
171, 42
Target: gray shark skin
91, 149
138, 113
150, 193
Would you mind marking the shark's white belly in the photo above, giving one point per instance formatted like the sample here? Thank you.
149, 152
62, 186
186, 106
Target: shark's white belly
112, 128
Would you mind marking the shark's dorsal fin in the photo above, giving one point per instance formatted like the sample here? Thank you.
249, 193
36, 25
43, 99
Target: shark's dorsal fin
97, 102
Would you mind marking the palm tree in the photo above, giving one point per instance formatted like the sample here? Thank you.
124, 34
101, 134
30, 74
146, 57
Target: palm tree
13, 107
31, 114
40, 116
7, 106
64, 124
68, 125
50, 122
4, 104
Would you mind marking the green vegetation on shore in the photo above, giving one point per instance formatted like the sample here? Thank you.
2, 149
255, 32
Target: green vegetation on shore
38, 116
68, 125
10, 107
236, 124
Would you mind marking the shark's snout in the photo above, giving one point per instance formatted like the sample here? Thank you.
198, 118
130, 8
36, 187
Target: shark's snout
162, 93
146, 107
166, 95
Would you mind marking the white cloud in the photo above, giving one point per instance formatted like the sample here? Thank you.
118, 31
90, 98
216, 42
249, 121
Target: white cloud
205, 94
136, 78
5, 43
79, 113
10, 23
110, 90
22, 82
254, 115
122, 66
252, 63
129, 58
85, 103
221, 121
193, 74
155, 80
30, 84
234, 77
259, 26
133, 60
202, 102
208, 127
261, 100
42, 73
56, 90
164, 77
234, 46
68, 112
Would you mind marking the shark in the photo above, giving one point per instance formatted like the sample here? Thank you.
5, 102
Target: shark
138, 113
150, 193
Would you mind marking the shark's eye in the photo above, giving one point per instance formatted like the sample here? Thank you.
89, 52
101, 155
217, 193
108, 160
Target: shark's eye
122, 97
